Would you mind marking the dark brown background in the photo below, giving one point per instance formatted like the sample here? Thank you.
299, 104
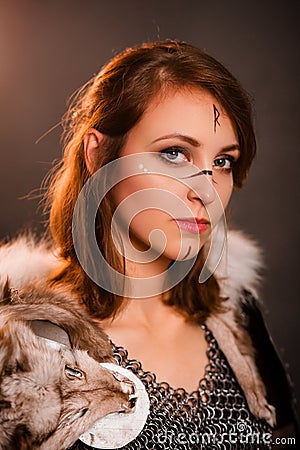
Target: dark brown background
48, 48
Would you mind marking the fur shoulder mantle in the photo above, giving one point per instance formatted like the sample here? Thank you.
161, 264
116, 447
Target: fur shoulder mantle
25, 260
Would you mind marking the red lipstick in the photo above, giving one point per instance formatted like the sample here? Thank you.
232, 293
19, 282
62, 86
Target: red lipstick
193, 224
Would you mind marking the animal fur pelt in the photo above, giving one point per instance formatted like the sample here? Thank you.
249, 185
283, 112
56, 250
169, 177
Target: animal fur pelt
26, 259
35, 301
237, 271
52, 393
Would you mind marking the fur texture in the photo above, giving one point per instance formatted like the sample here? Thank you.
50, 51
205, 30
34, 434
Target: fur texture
25, 259
239, 269
51, 394
34, 301
240, 266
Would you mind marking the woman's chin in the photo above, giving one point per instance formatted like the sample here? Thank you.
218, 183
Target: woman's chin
188, 249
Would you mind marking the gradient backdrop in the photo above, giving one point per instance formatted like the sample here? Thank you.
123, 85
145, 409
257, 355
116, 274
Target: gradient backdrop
49, 48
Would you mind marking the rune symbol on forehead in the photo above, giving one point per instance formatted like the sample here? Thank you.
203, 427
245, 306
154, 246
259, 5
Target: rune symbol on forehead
216, 118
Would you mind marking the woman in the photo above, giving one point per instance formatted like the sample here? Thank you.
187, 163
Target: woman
183, 123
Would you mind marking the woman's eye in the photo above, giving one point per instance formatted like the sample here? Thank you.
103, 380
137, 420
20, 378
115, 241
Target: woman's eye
224, 162
175, 155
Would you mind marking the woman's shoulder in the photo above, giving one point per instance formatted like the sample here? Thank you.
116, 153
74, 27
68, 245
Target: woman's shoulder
239, 329
243, 335
29, 257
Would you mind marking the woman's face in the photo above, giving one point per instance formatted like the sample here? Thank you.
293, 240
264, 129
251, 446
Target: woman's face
183, 127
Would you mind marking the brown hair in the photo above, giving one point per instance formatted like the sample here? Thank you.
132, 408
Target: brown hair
113, 102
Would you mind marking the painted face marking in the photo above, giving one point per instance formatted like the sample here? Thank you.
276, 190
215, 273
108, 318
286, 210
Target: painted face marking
216, 118
202, 172
188, 252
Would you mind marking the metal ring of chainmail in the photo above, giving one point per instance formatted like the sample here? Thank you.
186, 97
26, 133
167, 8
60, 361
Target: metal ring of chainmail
215, 416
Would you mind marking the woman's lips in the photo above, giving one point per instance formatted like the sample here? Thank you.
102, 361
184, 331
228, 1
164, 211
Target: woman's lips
193, 225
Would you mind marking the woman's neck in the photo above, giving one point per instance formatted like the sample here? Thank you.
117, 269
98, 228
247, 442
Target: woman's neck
146, 269
146, 280
150, 314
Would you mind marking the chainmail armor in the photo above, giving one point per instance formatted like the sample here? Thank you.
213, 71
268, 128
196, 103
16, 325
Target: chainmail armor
215, 416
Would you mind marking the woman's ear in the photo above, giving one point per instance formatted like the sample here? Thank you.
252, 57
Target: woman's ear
91, 142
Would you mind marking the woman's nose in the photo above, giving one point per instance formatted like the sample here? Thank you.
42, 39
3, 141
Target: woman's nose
201, 187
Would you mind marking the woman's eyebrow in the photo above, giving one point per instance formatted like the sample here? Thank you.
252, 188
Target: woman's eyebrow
232, 147
182, 137
193, 141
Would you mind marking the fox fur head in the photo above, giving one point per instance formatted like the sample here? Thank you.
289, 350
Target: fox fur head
51, 394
